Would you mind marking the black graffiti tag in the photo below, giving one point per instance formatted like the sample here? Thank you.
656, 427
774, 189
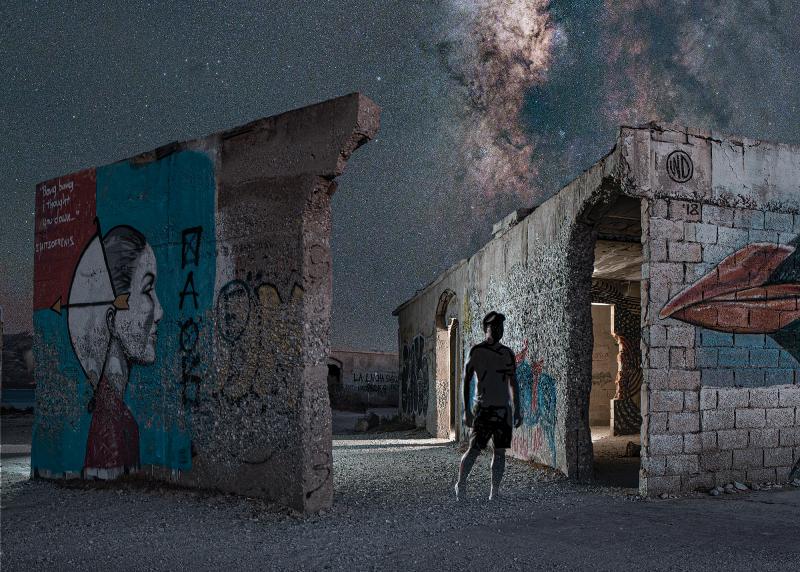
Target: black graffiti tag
191, 374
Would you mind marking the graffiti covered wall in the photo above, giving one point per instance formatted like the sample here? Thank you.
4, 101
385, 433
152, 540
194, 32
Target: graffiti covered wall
181, 310
365, 379
713, 341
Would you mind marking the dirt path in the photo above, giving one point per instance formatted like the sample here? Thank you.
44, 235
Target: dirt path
394, 510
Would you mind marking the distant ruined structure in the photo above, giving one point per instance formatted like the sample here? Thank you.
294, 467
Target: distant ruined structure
656, 294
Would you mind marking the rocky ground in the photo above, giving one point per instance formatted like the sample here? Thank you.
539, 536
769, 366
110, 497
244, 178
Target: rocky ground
394, 510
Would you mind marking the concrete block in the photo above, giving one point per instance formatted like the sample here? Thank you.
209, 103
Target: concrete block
750, 418
659, 208
707, 357
657, 379
665, 444
654, 465
665, 273
677, 358
716, 377
711, 338
748, 218
748, 377
789, 436
686, 379
666, 229
691, 401
714, 420
700, 232
733, 398
748, 340
733, 238
680, 336
658, 422
778, 376
780, 417
708, 398
709, 440
658, 357
786, 237
787, 360
685, 211
693, 443
684, 251
789, 396
661, 400
778, 221
733, 439
683, 464
763, 236
720, 216
763, 357
716, 461
763, 437
757, 476
796, 223
748, 458
733, 357
778, 457
715, 253
658, 249
764, 397
658, 336
687, 422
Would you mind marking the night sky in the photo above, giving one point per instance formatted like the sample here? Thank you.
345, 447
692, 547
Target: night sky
487, 106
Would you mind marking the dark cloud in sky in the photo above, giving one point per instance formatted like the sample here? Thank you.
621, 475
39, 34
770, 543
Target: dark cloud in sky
488, 105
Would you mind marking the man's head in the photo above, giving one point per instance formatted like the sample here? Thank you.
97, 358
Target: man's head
493, 325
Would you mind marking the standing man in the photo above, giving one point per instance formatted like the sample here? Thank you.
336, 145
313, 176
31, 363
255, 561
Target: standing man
491, 414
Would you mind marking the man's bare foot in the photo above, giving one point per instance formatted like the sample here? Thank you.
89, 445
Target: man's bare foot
494, 494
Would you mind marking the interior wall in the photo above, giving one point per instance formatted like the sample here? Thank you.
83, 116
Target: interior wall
604, 365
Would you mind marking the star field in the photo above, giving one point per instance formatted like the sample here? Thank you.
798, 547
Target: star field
487, 106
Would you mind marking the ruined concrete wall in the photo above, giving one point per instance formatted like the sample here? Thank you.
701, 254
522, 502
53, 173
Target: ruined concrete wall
538, 273
182, 307
720, 317
368, 379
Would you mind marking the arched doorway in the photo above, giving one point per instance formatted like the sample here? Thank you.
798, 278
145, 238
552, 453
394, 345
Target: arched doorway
456, 368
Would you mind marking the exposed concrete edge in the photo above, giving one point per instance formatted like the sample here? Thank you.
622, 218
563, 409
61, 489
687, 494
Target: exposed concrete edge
362, 112
430, 285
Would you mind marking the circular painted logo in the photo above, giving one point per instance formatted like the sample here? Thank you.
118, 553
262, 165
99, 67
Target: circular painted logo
679, 166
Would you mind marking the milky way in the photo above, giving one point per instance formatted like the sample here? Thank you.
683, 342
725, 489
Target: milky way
487, 106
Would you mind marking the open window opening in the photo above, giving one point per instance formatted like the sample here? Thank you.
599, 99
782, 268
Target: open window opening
615, 404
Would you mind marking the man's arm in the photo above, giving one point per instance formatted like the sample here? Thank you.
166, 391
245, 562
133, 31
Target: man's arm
469, 372
514, 388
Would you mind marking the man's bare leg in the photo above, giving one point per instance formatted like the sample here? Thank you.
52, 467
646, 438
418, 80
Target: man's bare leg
463, 471
498, 468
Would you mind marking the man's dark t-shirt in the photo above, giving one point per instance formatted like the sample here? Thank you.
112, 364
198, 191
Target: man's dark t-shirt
492, 364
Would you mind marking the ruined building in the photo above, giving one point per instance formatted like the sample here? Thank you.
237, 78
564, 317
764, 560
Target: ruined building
672, 262
182, 309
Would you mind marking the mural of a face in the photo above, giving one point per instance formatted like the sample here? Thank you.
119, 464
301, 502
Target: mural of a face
137, 327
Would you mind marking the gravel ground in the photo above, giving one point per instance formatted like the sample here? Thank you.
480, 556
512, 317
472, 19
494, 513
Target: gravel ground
394, 510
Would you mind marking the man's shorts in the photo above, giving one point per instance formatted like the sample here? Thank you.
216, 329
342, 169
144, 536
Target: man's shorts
494, 423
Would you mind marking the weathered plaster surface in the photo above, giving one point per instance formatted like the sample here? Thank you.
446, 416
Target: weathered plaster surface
253, 359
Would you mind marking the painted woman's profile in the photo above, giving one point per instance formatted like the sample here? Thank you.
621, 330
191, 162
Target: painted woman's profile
113, 322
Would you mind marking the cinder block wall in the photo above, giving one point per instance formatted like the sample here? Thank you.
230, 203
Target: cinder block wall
720, 315
182, 310
722, 404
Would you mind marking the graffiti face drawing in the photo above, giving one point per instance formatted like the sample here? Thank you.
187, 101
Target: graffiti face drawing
113, 322
137, 328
